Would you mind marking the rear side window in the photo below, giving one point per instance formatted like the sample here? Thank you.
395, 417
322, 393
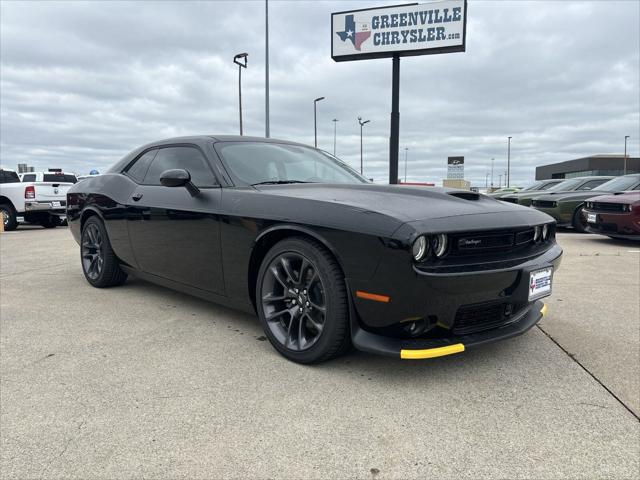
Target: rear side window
29, 177
8, 177
57, 178
138, 170
186, 158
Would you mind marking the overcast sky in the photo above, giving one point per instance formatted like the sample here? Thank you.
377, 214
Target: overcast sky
84, 83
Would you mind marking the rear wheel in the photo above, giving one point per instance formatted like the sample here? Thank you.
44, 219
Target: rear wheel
8, 217
302, 301
99, 264
578, 221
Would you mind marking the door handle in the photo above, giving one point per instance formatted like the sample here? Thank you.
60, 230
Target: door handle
136, 197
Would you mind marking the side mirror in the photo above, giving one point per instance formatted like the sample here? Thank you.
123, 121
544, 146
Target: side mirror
177, 177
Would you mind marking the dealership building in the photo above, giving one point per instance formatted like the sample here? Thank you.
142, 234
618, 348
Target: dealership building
589, 166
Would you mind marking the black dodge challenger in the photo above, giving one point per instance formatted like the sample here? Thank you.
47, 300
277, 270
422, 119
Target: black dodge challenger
325, 258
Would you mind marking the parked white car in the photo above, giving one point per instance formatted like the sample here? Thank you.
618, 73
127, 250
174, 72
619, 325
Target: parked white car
40, 202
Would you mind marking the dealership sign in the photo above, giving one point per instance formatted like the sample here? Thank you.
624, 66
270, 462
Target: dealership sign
401, 30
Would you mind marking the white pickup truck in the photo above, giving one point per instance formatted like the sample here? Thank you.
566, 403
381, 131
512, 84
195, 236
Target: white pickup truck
40, 202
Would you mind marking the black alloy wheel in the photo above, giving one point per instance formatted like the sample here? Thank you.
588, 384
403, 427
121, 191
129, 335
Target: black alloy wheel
302, 301
579, 221
99, 263
92, 252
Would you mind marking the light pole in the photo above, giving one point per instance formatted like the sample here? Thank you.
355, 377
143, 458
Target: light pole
315, 127
266, 69
492, 172
486, 181
335, 123
361, 124
626, 137
500, 181
406, 152
509, 163
241, 64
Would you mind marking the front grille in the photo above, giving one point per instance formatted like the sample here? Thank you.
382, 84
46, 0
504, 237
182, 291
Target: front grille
608, 207
484, 242
544, 203
509, 199
464, 244
485, 316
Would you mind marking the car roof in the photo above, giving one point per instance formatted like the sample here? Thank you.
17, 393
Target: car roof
220, 138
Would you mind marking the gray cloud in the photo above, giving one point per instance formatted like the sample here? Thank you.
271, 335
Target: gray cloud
83, 83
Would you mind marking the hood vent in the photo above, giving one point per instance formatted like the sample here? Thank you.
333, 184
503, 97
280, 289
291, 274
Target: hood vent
465, 195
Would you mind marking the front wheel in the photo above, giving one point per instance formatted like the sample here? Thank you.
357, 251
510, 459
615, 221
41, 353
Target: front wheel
578, 221
302, 301
99, 263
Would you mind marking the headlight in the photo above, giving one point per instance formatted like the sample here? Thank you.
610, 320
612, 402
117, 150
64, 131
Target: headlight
419, 248
545, 232
627, 208
536, 233
440, 244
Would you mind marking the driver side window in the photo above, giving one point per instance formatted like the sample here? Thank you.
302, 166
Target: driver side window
186, 158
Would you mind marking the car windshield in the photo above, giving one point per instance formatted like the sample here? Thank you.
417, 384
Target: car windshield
548, 185
253, 163
566, 185
533, 186
619, 184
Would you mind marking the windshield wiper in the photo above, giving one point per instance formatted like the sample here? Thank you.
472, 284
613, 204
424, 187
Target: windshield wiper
278, 182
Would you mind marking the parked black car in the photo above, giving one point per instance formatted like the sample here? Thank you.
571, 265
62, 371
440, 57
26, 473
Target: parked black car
324, 257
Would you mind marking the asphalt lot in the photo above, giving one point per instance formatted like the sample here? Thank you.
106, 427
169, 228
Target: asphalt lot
140, 381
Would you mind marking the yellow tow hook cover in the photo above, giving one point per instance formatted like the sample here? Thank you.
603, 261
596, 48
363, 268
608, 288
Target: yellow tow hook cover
431, 352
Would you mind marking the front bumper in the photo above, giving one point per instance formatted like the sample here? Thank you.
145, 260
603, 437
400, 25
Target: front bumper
619, 225
416, 349
470, 307
562, 218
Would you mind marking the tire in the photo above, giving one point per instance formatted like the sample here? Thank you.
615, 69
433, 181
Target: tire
301, 298
8, 216
50, 222
577, 221
99, 263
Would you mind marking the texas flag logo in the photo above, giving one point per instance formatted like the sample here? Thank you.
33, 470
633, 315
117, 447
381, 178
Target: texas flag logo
356, 34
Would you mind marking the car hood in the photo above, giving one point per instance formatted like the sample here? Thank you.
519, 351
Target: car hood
622, 197
427, 208
402, 202
571, 196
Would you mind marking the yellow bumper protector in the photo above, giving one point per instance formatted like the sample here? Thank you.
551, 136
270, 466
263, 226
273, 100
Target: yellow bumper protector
543, 310
431, 352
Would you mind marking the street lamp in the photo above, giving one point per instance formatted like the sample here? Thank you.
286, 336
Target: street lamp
315, 128
509, 163
500, 181
240, 60
406, 152
492, 172
335, 122
486, 181
626, 137
361, 124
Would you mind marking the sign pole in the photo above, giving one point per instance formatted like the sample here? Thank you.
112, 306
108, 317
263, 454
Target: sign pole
394, 138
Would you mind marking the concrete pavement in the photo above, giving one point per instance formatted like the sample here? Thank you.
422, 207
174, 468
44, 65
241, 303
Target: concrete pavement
140, 381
